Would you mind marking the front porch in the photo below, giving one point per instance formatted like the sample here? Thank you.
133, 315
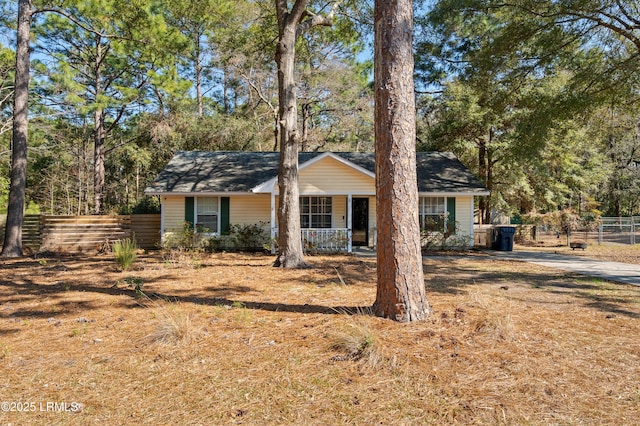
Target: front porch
323, 240
332, 223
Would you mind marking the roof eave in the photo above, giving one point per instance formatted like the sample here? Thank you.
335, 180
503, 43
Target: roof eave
198, 193
482, 193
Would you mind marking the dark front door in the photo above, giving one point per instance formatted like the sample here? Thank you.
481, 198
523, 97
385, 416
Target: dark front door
360, 221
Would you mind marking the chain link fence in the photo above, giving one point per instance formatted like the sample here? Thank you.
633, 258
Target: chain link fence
621, 230
613, 230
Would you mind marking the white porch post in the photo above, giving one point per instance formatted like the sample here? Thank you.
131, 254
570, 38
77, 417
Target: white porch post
349, 223
273, 222
471, 222
162, 213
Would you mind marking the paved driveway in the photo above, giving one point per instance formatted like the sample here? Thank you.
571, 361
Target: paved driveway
611, 271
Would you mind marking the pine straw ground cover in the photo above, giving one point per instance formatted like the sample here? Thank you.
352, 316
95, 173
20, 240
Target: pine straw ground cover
227, 339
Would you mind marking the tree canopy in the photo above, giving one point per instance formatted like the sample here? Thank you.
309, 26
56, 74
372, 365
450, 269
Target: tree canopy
517, 88
539, 98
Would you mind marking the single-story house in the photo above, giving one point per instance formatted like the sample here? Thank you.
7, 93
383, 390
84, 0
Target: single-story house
213, 190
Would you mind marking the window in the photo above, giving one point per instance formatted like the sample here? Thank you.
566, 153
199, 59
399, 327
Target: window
315, 212
207, 214
432, 213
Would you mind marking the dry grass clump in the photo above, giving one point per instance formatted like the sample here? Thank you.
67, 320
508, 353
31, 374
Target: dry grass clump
499, 326
356, 341
173, 326
491, 321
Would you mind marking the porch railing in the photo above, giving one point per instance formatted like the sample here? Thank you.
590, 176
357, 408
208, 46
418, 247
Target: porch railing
325, 240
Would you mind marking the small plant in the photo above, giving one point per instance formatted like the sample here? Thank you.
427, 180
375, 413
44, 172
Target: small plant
4, 351
252, 236
125, 252
243, 315
136, 283
79, 331
238, 305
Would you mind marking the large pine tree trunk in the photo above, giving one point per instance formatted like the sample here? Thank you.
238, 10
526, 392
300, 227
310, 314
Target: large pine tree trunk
198, 72
98, 162
400, 289
15, 214
290, 251
98, 137
482, 171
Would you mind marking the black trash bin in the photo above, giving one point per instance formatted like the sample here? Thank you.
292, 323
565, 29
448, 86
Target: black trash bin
503, 238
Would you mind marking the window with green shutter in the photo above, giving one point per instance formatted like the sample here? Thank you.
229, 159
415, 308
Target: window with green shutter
189, 216
207, 209
209, 215
224, 215
436, 213
432, 211
451, 216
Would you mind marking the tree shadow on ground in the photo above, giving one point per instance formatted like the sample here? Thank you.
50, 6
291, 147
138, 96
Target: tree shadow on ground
442, 276
28, 291
266, 306
455, 279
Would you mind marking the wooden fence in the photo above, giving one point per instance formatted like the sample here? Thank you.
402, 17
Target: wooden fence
86, 233
30, 231
146, 229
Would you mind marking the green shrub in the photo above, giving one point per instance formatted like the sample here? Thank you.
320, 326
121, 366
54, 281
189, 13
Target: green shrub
146, 205
186, 239
253, 236
125, 252
240, 237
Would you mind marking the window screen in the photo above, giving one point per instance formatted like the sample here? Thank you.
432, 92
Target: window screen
207, 214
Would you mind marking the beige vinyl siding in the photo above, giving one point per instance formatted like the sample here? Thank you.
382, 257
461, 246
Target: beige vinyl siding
249, 209
339, 213
464, 214
464, 217
330, 176
173, 208
243, 210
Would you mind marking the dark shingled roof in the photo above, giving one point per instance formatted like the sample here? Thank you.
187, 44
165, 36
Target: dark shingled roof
205, 172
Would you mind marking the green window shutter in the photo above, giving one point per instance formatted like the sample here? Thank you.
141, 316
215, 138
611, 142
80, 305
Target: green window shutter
189, 211
451, 209
224, 215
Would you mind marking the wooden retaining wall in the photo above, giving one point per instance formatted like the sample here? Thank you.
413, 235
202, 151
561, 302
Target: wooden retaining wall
86, 233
